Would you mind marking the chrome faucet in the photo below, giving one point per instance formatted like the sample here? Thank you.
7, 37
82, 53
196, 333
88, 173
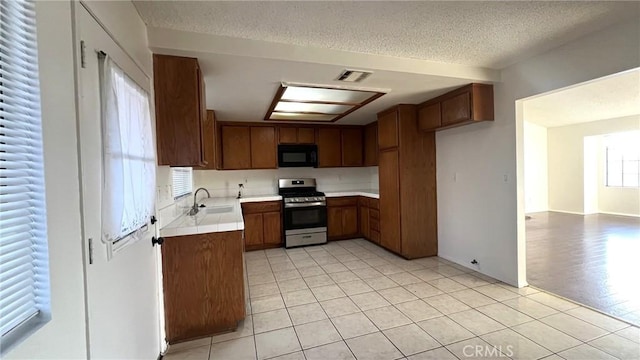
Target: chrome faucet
194, 209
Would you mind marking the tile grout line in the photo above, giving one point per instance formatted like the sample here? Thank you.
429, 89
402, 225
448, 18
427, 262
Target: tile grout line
448, 293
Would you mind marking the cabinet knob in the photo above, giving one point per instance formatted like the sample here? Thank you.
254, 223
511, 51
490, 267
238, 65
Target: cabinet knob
155, 241
153, 219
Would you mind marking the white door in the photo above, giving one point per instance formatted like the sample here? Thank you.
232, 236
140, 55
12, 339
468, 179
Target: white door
122, 293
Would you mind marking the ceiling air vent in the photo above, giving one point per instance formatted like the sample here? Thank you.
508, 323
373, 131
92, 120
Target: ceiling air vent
353, 75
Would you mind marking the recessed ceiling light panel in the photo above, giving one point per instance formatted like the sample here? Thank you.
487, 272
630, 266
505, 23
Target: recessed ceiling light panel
316, 103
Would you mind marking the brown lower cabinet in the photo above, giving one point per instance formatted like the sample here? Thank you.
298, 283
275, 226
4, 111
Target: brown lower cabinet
262, 225
342, 218
203, 284
369, 219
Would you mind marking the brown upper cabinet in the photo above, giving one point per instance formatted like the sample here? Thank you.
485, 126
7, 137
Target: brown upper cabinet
297, 135
468, 104
352, 147
209, 141
248, 147
236, 147
180, 111
407, 176
263, 148
371, 144
329, 147
387, 130
241, 145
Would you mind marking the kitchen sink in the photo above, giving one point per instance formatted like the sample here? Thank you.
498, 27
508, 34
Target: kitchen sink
219, 209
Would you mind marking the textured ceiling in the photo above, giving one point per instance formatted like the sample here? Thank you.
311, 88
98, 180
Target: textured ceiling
241, 88
607, 98
487, 34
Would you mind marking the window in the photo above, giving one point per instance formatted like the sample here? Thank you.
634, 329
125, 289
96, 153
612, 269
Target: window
24, 267
129, 165
182, 181
623, 159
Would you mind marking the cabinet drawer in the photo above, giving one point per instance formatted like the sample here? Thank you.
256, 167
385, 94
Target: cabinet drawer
375, 214
374, 204
343, 201
374, 225
375, 236
261, 207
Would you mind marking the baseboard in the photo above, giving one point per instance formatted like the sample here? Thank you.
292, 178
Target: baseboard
567, 212
599, 212
619, 214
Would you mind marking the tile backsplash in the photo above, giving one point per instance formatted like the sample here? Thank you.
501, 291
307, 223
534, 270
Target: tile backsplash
265, 182
256, 182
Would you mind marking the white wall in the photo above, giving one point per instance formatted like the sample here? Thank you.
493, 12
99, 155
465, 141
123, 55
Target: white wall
567, 169
64, 336
536, 185
591, 177
481, 215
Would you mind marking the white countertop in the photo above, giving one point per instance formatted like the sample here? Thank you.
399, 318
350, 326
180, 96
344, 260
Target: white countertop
232, 220
371, 193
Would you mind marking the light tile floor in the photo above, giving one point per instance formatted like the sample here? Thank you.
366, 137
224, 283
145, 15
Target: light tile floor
354, 300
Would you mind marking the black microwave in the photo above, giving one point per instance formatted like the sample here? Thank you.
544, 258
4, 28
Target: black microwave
297, 156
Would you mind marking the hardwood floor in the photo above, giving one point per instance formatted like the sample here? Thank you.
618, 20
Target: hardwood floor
591, 259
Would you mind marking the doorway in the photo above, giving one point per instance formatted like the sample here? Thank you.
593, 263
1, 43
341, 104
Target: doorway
121, 288
582, 194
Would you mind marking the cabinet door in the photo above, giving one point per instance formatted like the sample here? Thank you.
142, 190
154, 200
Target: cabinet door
334, 222
371, 145
203, 284
177, 88
204, 160
236, 147
329, 147
457, 109
429, 117
253, 231
306, 136
288, 135
389, 200
350, 221
263, 147
364, 221
209, 140
388, 130
352, 147
272, 222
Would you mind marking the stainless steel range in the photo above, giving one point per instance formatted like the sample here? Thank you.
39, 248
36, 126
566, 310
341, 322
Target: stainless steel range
305, 212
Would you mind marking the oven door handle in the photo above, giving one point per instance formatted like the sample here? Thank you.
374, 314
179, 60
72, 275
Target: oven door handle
297, 205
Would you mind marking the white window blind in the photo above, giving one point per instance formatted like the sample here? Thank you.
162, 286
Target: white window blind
129, 165
182, 181
623, 159
24, 268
